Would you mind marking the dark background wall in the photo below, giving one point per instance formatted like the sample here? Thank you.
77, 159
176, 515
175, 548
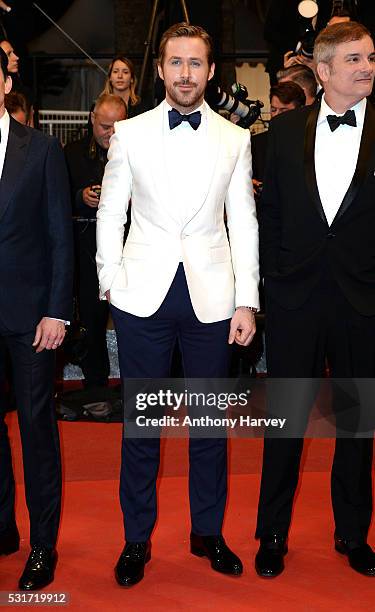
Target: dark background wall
244, 29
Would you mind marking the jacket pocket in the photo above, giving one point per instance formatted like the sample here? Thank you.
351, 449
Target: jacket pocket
220, 254
136, 250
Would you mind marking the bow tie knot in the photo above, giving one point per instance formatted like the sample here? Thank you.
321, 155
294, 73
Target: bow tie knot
176, 118
349, 118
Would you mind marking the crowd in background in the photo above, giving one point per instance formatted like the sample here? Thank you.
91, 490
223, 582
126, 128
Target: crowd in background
295, 86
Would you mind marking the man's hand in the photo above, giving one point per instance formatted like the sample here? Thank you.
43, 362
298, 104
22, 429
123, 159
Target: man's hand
257, 186
234, 118
108, 295
291, 59
49, 335
5, 7
242, 327
90, 197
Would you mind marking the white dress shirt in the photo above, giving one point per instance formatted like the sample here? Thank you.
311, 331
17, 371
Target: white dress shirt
4, 131
185, 150
336, 155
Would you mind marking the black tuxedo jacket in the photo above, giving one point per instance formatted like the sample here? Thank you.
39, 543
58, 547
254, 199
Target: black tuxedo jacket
259, 154
296, 241
35, 232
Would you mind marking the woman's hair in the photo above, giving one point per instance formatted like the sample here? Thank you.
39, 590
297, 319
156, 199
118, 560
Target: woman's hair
108, 89
4, 63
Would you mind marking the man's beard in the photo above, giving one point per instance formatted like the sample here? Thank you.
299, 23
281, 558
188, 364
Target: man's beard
185, 99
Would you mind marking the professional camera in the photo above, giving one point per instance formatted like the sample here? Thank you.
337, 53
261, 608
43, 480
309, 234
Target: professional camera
307, 10
235, 102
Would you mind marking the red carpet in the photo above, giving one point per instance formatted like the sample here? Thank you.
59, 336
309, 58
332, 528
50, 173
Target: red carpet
316, 578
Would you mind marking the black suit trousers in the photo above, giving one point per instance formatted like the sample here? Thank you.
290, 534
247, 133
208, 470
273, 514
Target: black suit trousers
299, 343
93, 312
33, 375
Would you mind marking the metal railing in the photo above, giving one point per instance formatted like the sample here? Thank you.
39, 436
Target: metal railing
69, 126
66, 125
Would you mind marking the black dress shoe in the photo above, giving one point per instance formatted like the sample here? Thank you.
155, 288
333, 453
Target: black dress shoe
39, 570
360, 555
9, 541
222, 558
269, 560
131, 564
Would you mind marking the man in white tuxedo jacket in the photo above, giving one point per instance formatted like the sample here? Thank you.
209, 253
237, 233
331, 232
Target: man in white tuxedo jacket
178, 277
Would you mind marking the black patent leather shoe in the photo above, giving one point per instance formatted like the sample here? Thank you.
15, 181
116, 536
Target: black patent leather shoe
214, 547
131, 564
269, 560
9, 541
39, 570
360, 555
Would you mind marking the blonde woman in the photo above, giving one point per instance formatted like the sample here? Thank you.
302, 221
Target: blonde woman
121, 81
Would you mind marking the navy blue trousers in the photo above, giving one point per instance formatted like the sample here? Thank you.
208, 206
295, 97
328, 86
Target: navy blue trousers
145, 347
33, 375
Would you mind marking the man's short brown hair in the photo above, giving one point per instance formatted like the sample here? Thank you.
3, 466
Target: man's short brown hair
289, 93
336, 34
15, 101
183, 29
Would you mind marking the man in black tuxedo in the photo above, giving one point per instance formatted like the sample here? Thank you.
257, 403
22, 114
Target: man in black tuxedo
35, 303
318, 254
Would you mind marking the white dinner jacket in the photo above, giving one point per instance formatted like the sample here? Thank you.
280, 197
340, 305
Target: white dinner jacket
220, 273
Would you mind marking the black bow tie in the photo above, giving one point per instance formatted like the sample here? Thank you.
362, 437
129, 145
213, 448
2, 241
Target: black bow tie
175, 118
349, 119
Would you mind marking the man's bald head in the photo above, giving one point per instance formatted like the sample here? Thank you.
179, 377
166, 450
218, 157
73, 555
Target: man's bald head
108, 109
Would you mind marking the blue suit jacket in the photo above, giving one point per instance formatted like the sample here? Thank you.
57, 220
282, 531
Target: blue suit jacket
36, 262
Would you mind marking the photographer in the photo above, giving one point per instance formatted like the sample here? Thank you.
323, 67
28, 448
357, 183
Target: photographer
291, 27
292, 58
86, 161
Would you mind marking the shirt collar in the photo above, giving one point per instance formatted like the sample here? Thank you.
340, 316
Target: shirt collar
4, 122
359, 109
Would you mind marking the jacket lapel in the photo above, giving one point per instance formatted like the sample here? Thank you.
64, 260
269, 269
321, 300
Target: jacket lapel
14, 162
158, 164
208, 169
309, 159
366, 151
